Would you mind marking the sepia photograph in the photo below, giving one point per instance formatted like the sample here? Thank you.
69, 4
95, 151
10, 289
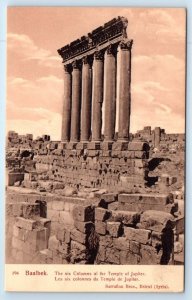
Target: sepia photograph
95, 136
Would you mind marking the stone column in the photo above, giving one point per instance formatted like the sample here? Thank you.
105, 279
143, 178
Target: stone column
124, 90
86, 99
66, 117
76, 102
110, 93
97, 96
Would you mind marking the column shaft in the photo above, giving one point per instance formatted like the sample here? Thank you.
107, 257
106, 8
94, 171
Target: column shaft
110, 94
66, 116
97, 96
124, 91
76, 103
86, 100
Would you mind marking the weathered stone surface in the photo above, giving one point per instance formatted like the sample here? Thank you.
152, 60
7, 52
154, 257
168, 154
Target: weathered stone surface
58, 205
25, 223
150, 256
114, 228
64, 235
138, 146
121, 243
66, 217
84, 227
128, 258
126, 217
102, 214
83, 213
156, 220
138, 235
100, 227
112, 256
53, 243
106, 241
78, 236
53, 215
134, 247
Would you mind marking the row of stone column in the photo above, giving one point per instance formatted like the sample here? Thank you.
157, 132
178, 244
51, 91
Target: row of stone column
82, 106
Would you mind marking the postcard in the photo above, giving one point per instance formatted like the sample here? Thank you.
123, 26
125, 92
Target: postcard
95, 149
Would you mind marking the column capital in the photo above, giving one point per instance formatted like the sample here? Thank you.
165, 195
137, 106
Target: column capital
77, 64
112, 49
88, 60
67, 68
99, 55
126, 45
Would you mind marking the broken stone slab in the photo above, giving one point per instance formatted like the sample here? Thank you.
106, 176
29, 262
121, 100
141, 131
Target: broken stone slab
83, 213
25, 223
156, 220
114, 228
126, 217
137, 235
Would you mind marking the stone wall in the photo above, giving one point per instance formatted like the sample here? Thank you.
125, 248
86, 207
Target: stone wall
109, 229
94, 165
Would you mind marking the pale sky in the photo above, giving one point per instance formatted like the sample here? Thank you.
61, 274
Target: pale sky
35, 71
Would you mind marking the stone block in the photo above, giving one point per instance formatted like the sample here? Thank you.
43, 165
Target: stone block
150, 256
126, 217
78, 236
100, 227
128, 258
53, 243
121, 243
64, 235
102, 214
83, 213
105, 146
138, 146
156, 220
93, 146
138, 235
78, 246
101, 255
25, 223
134, 247
58, 205
68, 206
17, 244
17, 209
120, 146
106, 199
106, 241
53, 215
31, 210
66, 217
84, 227
112, 256
114, 228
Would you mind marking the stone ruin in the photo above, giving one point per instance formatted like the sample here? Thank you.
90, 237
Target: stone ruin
89, 198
